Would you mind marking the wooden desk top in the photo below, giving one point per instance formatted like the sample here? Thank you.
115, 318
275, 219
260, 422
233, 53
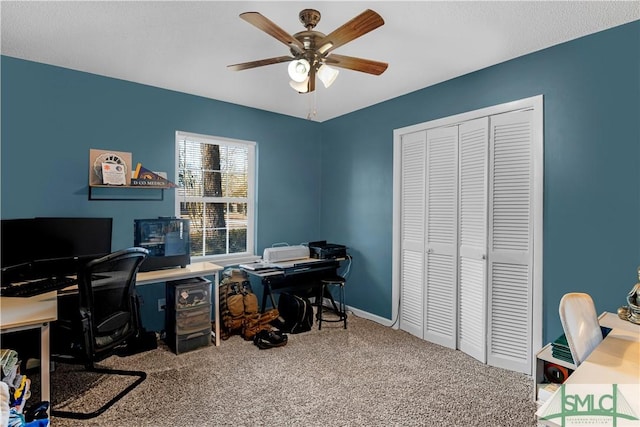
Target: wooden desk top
16, 313
611, 320
616, 360
192, 270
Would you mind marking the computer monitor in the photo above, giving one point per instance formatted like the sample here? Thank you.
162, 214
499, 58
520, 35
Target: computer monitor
30, 239
74, 237
166, 239
16, 236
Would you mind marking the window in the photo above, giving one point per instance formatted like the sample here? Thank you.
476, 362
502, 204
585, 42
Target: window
216, 192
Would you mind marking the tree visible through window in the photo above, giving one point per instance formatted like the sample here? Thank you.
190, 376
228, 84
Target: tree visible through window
215, 178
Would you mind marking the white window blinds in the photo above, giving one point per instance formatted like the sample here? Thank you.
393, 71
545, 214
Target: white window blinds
216, 187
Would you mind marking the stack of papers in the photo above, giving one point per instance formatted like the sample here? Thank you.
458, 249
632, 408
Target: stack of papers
560, 349
262, 265
545, 391
258, 265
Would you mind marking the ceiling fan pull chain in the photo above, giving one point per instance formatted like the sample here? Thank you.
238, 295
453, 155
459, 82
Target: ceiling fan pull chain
313, 111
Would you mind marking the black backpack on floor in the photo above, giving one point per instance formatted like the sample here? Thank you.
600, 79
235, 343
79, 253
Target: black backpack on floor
296, 313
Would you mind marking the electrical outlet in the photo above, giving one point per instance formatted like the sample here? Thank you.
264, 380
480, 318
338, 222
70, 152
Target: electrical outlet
162, 303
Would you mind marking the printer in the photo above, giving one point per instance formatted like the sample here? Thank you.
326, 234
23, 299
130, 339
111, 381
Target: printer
323, 250
317, 250
285, 253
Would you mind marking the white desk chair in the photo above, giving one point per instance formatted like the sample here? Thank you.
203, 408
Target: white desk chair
580, 324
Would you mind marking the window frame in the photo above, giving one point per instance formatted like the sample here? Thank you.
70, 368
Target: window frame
234, 258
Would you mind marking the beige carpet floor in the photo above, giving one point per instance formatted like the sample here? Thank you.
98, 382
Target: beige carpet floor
366, 375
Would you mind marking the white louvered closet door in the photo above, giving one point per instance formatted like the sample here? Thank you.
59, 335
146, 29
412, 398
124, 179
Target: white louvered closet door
440, 299
412, 232
510, 241
472, 259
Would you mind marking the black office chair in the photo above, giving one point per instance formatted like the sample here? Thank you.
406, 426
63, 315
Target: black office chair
106, 318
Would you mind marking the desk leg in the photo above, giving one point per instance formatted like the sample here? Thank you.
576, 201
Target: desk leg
44, 362
267, 292
263, 306
216, 308
273, 301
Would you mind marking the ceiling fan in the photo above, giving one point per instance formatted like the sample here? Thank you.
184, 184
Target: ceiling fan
312, 51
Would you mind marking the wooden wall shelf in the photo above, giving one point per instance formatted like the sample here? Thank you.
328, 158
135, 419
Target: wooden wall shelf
93, 196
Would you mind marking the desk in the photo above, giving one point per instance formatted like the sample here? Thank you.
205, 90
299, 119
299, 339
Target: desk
192, 270
297, 277
616, 360
196, 269
19, 314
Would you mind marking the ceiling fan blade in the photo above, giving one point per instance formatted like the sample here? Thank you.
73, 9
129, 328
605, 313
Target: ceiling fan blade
358, 26
356, 64
261, 22
259, 63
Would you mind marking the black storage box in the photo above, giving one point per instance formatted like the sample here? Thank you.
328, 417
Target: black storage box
324, 250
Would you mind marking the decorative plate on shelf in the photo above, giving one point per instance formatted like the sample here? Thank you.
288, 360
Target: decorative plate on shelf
107, 158
98, 157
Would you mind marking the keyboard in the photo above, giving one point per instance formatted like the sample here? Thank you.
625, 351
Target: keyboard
37, 287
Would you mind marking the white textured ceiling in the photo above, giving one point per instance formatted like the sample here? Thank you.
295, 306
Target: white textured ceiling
186, 46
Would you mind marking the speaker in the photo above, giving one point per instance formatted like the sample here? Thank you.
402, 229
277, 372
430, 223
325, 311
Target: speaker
555, 373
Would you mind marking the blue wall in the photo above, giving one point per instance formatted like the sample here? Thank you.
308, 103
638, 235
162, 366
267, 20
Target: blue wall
52, 116
338, 184
591, 89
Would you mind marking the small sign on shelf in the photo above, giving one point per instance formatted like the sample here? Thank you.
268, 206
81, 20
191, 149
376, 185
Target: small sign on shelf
113, 174
143, 177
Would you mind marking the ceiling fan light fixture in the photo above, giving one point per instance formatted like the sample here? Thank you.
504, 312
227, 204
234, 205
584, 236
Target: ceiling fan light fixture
309, 49
327, 75
299, 70
300, 87
325, 47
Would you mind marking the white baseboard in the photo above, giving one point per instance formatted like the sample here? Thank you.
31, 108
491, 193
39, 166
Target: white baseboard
363, 314
370, 316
